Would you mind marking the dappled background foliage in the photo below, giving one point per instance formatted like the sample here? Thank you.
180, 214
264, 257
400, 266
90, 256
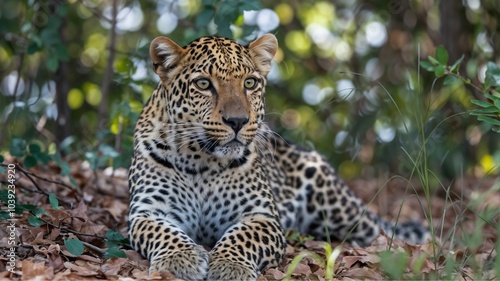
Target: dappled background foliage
346, 80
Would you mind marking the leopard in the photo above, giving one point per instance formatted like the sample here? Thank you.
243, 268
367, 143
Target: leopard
213, 188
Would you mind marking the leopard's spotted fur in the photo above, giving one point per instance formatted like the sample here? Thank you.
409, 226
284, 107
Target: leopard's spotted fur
207, 171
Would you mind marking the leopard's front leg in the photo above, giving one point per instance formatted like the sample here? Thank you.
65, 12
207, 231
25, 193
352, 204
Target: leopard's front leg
247, 247
168, 248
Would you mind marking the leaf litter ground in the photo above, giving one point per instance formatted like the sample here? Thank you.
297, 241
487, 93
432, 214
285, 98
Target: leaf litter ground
101, 200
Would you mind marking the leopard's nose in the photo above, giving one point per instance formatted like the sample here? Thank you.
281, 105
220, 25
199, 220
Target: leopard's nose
235, 122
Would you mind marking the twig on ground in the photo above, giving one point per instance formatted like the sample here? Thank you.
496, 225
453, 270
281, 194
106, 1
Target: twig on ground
39, 177
69, 230
95, 248
49, 181
30, 176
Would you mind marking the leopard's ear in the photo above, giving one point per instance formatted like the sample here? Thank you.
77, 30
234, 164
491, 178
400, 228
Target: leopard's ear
165, 54
262, 51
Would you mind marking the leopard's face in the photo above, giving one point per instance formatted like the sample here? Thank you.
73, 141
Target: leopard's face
214, 91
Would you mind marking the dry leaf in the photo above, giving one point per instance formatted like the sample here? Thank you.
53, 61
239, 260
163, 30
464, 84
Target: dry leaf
116, 208
349, 261
363, 273
39, 240
80, 270
301, 269
274, 274
289, 249
36, 271
113, 266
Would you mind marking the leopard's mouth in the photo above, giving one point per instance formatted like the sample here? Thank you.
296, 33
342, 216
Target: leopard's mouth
233, 144
233, 149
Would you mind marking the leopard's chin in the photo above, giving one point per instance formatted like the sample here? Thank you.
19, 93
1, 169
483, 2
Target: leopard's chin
231, 150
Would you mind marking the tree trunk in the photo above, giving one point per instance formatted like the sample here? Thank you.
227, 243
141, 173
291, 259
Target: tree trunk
454, 30
62, 128
108, 72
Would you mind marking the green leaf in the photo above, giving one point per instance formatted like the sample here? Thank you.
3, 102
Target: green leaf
61, 52
223, 24
489, 120
4, 196
497, 105
65, 168
34, 221
92, 159
74, 246
38, 212
4, 215
114, 252
115, 239
65, 145
114, 235
433, 60
34, 148
27, 207
27, 26
249, 6
454, 68
439, 71
481, 103
43, 158
108, 151
33, 47
204, 18
449, 80
49, 36
62, 9
492, 78
52, 63
492, 97
393, 264
229, 9
18, 147
427, 65
490, 111
29, 161
442, 55
54, 203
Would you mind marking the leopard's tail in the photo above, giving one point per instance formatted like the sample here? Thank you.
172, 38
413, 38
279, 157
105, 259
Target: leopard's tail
409, 231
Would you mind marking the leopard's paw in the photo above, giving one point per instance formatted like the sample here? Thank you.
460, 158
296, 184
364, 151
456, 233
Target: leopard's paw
188, 264
230, 270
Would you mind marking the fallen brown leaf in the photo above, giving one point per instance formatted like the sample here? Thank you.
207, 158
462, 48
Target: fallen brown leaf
113, 266
349, 261
301, 270
363, 273
116, 208
36, 271
274, 274
80, 270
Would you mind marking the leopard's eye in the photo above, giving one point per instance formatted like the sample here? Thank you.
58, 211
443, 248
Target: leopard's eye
250, 83
202, 83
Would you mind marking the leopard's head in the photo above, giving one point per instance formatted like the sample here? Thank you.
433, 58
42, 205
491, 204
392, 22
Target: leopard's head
215, 90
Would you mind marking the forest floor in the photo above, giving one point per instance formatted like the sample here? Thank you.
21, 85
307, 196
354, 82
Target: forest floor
465, 250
